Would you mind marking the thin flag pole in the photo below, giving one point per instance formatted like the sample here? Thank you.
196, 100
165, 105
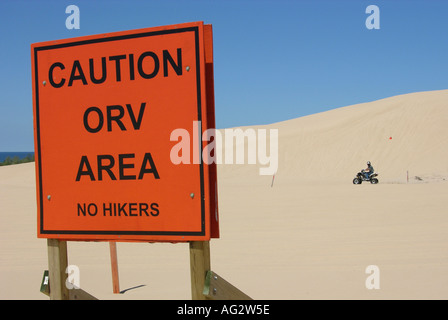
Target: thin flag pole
114, 266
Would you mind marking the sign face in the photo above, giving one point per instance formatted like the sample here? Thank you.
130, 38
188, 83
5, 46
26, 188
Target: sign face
105, 108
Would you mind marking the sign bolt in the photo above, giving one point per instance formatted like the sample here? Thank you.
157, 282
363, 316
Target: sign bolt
44, 83
187, 68
49, 197
192, 195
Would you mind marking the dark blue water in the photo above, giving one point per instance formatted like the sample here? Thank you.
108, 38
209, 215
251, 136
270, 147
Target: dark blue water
21, 155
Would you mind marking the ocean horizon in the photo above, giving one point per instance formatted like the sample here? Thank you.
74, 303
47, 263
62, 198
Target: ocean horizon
21, 155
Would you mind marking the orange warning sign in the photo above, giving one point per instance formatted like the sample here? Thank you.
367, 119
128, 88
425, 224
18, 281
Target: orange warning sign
105, 108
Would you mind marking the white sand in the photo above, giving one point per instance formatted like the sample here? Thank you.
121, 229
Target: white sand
310, 236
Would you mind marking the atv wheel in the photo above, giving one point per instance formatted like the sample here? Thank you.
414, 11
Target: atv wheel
374, 181
357, 181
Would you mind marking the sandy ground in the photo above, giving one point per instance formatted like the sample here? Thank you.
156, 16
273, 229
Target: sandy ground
309, 236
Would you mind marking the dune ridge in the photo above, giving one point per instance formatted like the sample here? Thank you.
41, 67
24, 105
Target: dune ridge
400, 134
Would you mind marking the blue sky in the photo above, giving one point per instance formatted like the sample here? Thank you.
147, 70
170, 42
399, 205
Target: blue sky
274, 60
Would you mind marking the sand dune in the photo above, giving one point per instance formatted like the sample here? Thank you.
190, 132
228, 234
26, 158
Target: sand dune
310, 236
397, 134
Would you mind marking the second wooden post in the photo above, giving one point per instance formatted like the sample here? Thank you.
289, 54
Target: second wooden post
199, 266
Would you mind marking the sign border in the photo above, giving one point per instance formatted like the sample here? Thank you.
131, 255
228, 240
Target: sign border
98, 39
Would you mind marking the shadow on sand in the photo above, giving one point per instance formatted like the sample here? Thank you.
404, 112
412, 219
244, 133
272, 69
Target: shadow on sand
132, 288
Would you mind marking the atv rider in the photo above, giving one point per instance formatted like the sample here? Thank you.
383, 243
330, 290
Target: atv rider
368, 171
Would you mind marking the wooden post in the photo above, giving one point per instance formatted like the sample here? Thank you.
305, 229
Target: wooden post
57, 265
199, 266
114, 266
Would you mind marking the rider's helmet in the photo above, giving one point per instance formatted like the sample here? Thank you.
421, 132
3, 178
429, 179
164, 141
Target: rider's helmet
368, 163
